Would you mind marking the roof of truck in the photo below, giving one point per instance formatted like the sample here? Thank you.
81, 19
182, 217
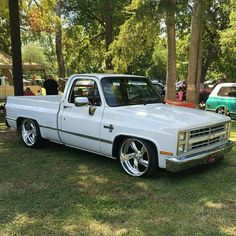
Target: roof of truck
100, 76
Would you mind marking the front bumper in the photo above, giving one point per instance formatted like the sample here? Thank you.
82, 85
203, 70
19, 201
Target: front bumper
196, 159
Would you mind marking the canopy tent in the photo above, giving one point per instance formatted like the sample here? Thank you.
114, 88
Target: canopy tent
6, 65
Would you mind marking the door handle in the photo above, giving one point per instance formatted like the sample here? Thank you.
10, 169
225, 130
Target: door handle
66, 106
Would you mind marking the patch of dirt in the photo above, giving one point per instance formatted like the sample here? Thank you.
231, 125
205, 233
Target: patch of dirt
7, 134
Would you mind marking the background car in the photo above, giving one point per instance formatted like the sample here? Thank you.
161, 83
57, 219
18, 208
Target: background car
160, 87
223, 99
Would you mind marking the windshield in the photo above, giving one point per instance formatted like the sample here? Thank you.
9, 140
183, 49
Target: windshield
123, 91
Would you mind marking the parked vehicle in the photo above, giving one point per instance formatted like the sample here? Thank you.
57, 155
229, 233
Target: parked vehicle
223, 100
160, 87
8, 90
121, 116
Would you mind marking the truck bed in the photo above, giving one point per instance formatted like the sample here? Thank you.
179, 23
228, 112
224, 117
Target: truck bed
43, 109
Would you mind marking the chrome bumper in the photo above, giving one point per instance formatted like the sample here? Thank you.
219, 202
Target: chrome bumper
206, 157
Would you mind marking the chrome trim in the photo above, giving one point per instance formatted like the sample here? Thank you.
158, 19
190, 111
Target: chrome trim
204, 137
192, 160
79, 135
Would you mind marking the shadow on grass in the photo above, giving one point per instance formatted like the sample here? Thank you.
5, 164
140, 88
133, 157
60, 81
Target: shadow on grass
58, 190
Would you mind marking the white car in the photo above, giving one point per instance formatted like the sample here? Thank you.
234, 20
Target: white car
121, 116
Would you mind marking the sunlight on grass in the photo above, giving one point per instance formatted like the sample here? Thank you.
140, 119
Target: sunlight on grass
98, 228
142, 185
93, 227
56, 190
211, 204
231, 231
101, 180
19, 222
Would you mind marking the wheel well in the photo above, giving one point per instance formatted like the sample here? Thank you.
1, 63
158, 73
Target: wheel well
19, 120
221, 106
118, 140
225, 107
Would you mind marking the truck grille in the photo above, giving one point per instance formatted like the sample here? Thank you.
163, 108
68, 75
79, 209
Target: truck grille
207, 136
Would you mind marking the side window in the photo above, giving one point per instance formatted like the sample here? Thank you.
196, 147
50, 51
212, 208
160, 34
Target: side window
85, 88
227, 92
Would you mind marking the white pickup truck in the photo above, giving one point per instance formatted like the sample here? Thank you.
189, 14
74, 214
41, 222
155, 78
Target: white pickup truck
122, 116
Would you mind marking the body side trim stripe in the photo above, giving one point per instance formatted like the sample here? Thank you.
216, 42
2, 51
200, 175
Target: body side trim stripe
8, 118
80, 135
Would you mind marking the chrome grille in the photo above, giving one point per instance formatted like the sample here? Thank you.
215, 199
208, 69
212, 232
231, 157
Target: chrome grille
207, 130
207, 136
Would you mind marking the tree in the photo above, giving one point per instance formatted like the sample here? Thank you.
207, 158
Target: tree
171, 52
58, 41
134, 49
101, 17
194, 67
84, 53
33, 52
16, 47
227, 63
4, 27
216, 21
44, 17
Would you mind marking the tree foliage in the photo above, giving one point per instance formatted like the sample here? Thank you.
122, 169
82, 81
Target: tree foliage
127, 35
138, 38
33, 52
4, 27
227, 64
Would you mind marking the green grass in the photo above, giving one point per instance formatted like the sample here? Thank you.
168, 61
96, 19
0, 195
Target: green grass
62, 191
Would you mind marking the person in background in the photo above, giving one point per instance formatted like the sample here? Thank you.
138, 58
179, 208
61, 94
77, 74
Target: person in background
180, 95
51, 86
33, 79
28, 92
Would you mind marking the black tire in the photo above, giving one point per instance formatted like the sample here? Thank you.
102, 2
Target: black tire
30, 133
138, 157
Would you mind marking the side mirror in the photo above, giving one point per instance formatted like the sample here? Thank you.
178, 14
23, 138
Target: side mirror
81, 101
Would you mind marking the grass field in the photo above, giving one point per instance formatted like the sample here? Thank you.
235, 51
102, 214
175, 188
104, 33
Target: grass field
62, 191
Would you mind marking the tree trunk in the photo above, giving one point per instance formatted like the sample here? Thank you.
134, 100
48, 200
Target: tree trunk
108, 31
171, 54
194, 68
16, 47
199, 68
58, 41
205, 67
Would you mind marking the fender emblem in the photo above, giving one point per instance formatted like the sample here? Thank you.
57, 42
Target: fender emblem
110, 127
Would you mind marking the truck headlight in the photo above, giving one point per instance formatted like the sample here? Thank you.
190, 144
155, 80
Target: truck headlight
182, 142
181, 148
182, 136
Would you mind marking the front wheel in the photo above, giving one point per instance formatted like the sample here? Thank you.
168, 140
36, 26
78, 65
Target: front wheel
138, 157
30, 133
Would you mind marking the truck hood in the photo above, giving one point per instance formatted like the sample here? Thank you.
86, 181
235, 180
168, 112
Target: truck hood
173, 116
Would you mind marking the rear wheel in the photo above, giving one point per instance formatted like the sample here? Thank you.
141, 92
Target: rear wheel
223, 111
138, 157
30, 133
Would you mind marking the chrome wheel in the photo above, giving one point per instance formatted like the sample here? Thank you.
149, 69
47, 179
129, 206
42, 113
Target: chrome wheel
223, 111
134, 157
29, 132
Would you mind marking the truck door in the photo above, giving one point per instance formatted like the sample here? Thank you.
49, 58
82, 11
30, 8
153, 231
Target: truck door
78, 127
